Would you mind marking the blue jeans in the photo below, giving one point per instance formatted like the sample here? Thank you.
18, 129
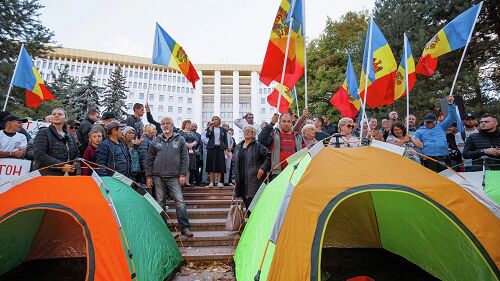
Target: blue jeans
172, 186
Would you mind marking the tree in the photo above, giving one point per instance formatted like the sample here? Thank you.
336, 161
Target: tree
114, 96
60, 85
86, 97
421, 20
19, 24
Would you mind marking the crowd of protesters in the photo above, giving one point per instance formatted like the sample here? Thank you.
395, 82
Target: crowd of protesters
162, 158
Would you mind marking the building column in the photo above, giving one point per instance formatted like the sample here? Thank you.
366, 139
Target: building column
254, 97
217, 83
197, 107
236, 100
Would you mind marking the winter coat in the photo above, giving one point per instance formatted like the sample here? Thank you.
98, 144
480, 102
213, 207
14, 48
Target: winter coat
270, 138
83, 133
136, 123
257, 157
434, 140
114, 156
477, 142
211, 139
50, 148
167, 158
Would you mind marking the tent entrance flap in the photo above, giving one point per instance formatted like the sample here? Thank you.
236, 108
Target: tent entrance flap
42, 244
401, 221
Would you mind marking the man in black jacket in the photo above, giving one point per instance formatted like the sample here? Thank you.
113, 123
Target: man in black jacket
85, 127
166, 166
112, 152
135, 120
54, 145
485, 143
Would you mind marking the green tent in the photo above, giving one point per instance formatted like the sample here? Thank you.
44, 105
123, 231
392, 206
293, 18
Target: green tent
88, 228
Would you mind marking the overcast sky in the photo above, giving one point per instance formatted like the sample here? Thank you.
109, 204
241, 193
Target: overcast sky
211, 31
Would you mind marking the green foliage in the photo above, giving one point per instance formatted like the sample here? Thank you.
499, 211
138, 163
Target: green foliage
86, 97
19, 24
64, 88
115, 94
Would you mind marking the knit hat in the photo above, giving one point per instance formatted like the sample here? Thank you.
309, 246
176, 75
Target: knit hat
127, 129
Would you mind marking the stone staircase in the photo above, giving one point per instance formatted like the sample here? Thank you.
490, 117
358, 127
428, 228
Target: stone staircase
207, 210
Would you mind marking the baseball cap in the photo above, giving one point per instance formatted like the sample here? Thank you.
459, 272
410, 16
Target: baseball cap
430, 117
469, 116
108, 115
127, 129
73, 122
113, 124
15, 118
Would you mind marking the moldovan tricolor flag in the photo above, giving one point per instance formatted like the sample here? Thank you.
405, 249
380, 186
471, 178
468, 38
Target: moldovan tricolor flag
272, 66
346, 99
382, 71
167, 52
286, 99
453, 36
406, 63
26, 76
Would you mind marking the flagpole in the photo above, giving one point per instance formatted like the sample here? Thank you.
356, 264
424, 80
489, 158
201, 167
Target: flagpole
368, 62
465, 48
284, 64
12, 79
405, 59
151, 65
296, 101
305, 53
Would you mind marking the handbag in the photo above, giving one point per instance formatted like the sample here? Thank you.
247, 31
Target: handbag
234, 216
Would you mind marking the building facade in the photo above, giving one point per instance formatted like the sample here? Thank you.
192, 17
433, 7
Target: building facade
225, 90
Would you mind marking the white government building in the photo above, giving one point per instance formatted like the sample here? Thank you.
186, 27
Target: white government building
225, 90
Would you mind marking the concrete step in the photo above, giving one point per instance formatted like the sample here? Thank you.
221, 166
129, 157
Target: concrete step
208, 254
207, 195
204, 189
205, 203
203, 224
207, 239
202, 213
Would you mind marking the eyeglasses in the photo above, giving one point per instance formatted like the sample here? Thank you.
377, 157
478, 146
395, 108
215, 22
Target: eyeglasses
73, 127
349, 126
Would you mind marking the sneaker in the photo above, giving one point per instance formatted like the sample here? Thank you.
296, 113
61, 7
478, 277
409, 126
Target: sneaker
186, 232
211, 185
220, 184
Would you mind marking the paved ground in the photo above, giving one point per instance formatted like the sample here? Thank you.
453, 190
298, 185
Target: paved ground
215, 271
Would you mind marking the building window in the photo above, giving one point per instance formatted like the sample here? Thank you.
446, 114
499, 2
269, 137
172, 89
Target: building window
155, 77
178, 79
98, 81
179, 121
135, 85
99, 71
160, 108
226, 105
140, 75
125, 73
42, 75
151, 107
105, 71
192, 90
130, 84
189, 111
105, 81
208, 115
44, 64
179, 109
190, 100
151, 97
162, 98
183, 79
183, 90
262, 101
50, 65
160, 77
140, 85
129, 106
244, 106
84, 68
78, 68
263, 111
169, 88
170, 98
136, 74
164, 88
141, 96
180, 100
165, 78
73, 67
145, 76
169, 79
208, 105
174, 89
154, 87
170, 109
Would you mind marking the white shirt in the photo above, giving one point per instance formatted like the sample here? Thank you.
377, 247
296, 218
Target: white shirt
461, 143
216, 136
14, 143
242, 122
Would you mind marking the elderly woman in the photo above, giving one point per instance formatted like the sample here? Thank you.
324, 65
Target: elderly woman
373, 133
400, 137
251, 163
346, 138
309, 135
55, 145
